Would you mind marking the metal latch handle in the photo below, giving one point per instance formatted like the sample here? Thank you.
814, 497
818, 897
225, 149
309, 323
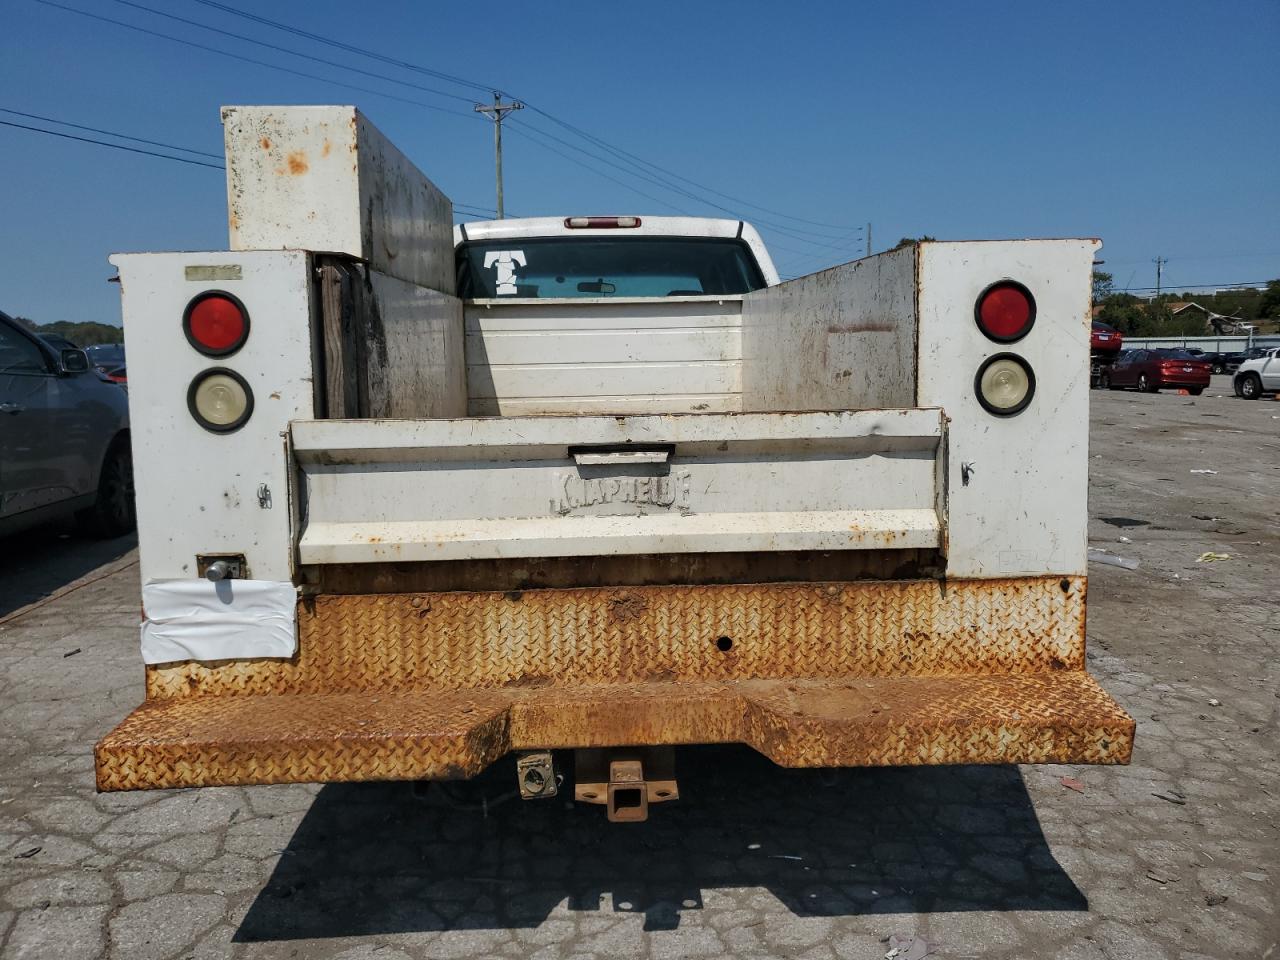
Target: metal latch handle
623, 455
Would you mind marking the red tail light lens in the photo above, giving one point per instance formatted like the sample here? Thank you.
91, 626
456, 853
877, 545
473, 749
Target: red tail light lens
216, 323
1005, 311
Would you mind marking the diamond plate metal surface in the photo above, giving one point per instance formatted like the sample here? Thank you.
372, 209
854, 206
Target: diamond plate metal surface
469, 640
1048, 718
439, 685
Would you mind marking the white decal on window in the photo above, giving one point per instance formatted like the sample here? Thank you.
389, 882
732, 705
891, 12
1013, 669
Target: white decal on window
506, 262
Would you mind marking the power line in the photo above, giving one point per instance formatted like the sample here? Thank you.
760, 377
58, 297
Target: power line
617, 151
525, 132
786, 231
260, 63
640, 160
1187, 287
487, 211
115, 146
293, 53
1200, 256
795, 233
109, 133
350, 48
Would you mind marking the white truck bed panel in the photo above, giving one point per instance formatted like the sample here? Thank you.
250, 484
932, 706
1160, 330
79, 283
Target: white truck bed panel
594, 536
574, 486
589, 356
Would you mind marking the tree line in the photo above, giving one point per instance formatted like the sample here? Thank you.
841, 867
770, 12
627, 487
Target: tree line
86, 334
1155, 317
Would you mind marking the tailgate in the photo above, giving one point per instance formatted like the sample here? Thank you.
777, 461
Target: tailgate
546, 486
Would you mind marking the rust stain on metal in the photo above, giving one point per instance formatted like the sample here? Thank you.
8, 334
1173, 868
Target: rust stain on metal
529, 573
266, 143
439, 685
628, 606
297, 163
636, 634
431, 734
862, 328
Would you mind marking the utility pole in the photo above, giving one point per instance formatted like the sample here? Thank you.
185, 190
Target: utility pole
868, 239
1159, 262
497, 113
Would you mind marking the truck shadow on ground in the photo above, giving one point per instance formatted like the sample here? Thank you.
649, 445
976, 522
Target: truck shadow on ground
382, 858
39, 562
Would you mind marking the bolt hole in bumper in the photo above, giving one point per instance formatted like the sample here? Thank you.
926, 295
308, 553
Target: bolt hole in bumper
439, 686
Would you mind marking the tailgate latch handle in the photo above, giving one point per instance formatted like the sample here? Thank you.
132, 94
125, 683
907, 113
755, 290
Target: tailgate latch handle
624, 455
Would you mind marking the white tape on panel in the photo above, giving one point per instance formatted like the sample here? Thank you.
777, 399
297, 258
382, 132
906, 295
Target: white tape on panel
229, 619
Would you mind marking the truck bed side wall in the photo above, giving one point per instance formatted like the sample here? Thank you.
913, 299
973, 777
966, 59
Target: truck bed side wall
841, 339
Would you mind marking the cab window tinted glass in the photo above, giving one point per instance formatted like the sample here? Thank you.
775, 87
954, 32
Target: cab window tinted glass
18, 355
606, 267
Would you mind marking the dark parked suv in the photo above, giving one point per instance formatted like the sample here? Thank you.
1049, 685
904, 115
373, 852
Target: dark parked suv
64, 438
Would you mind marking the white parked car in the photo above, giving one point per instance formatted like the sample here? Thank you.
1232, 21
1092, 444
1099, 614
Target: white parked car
1258, 376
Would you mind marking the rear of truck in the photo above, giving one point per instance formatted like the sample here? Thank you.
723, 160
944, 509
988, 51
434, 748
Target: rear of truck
388, 532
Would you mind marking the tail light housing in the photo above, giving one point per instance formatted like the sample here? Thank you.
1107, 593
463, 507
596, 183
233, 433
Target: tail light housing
216, 323
1005, 311
597, 223
220, 400
1005, 384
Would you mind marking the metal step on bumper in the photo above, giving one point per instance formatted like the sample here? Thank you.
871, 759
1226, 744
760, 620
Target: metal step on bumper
437, 685
1057, 717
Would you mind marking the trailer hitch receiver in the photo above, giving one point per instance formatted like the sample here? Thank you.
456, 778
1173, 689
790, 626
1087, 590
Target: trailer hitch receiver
625, 780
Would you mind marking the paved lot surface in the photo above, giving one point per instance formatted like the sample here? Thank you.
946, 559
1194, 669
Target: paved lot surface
1177, 855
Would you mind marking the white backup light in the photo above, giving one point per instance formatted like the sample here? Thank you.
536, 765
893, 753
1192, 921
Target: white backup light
1005, 384
220, 400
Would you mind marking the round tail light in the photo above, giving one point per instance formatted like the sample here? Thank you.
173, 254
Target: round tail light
216, 323
220, 400
1005, 311
1004, 384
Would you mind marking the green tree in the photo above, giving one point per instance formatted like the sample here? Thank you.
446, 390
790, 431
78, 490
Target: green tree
1269, 302
1102, 283
1124, 312
907, 241
81, 334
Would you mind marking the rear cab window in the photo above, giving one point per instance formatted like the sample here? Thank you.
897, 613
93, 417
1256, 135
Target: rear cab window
569, 267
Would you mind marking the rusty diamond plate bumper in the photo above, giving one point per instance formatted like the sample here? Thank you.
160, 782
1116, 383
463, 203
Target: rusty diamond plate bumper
423, 686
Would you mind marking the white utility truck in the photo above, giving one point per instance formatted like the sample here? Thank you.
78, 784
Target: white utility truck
412, 497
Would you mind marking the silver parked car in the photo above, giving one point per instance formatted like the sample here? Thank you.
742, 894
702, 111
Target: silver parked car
64, 438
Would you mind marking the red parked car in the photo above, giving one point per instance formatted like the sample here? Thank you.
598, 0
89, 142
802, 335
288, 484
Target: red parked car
1105, 338
1150, 370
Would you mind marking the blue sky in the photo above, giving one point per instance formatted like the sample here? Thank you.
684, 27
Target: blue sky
1152, 125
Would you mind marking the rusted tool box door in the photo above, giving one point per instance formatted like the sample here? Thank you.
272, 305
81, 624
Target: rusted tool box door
546, 486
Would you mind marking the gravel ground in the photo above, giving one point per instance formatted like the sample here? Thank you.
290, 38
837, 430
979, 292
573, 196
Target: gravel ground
1177, 855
